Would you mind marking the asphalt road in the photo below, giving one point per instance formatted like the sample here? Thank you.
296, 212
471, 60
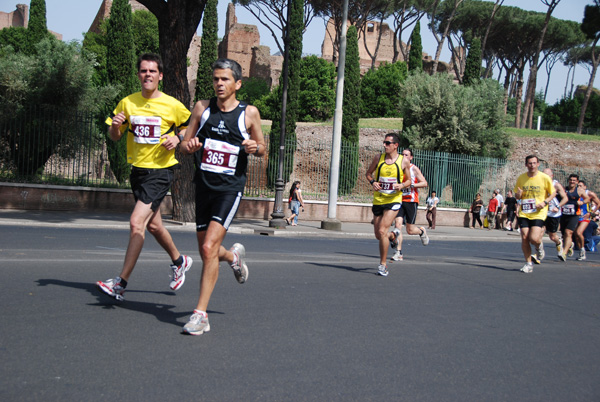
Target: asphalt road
454, 321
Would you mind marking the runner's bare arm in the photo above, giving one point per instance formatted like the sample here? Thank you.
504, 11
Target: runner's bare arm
256, 144
421, 182
191, 143
115, 128
370, 172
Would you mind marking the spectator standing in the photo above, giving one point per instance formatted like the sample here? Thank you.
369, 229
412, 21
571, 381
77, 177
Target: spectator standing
432, 202
510, 206
491, 211
500, 210
475, 211
296, 202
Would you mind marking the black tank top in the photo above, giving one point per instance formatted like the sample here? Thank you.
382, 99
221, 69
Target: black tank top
222, 162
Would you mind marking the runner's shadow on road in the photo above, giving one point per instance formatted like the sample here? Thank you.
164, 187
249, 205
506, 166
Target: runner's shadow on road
358, 254
494, 267
162, 312
346, 268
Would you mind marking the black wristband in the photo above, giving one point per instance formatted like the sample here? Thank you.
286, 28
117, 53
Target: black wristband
372, 181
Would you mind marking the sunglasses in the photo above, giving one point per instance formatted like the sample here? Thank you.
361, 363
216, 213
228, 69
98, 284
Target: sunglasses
388, 142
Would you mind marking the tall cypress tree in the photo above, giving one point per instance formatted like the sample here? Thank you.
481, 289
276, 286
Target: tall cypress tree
36, 28
121, 70
296, 26
349, 160
208, 51
415, 56
473, 63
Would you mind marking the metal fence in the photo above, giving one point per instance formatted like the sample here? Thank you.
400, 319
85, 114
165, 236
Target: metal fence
58, 147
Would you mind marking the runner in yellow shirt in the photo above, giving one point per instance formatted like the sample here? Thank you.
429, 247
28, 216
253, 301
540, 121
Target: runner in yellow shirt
389, 174
535, 190
149, 120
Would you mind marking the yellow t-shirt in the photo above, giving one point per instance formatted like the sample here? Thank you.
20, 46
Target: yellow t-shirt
147, 120
535, 190
387, 176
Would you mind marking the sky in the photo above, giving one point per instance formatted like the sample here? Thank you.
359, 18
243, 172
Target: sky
72, 18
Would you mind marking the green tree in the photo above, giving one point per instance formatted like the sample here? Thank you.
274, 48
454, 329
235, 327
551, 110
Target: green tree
16, 37
37, 29
208, 51
591, 27
121, 70
317, 94
440, 115
253, 90
144, 28
380, 90
95, 44
473, 63
177, 24
349, 159
46, 91
415, 55
294, 48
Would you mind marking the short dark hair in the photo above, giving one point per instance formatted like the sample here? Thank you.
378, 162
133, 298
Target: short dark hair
228, 64
150, 57
531, 157
433, 192
583, 182
409, 151
394, 136
574, 175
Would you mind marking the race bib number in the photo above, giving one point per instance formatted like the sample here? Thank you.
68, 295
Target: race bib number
528, 206
568, 209
387, 185
146, 129
219, 157
407, 191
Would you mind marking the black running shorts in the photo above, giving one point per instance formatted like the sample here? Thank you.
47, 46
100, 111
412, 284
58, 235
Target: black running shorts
220, 207
150, 186
409, 212
378, 210
552, 224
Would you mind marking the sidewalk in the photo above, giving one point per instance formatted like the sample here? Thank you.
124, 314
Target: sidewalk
239, 226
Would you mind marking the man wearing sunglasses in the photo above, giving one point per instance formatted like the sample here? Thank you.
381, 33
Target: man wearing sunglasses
389, 174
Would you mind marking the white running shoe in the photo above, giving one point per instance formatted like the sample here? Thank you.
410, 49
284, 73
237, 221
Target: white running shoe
424, 237
581, 255
535, 259
570, 252
112, 287
527, 269
178, 277
397, 256
197, 325
240, 269
382, 270
540, 252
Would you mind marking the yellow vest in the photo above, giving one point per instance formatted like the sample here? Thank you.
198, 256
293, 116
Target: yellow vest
387, 176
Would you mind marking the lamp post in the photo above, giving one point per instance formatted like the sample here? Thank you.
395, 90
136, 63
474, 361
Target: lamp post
331, 222
278, 215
